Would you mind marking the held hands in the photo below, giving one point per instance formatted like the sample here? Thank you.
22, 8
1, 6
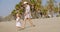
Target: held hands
25, 14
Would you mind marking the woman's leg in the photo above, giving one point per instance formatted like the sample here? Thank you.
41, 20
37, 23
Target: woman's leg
31, 23
24, 23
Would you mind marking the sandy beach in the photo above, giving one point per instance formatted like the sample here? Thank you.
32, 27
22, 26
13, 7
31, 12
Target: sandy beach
42, 25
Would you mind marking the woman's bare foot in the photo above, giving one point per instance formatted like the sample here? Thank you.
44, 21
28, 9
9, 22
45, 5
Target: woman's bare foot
33, 26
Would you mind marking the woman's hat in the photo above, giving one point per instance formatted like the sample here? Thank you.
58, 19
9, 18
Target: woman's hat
25, 2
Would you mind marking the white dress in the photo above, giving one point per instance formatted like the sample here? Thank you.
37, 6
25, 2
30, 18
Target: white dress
28, 12
18, 23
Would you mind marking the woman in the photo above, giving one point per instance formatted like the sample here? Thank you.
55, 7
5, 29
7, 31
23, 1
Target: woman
27, 15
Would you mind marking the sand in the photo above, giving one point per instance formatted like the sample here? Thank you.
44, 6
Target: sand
41, 25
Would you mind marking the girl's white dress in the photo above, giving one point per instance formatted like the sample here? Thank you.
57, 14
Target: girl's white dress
28, 12
18, 23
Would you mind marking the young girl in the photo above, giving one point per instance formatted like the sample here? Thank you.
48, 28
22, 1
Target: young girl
18, 23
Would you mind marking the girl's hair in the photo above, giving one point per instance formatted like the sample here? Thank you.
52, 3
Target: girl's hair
19, 15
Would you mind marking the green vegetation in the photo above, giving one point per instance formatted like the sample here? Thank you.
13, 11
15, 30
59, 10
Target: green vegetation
37, 6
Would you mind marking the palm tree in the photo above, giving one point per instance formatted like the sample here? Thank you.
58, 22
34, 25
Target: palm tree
50, 6
59, 8
35, 5
13, 12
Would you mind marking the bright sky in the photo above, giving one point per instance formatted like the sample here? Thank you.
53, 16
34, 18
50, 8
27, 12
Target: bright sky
6, 6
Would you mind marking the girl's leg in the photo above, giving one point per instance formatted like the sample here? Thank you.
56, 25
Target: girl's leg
16, 28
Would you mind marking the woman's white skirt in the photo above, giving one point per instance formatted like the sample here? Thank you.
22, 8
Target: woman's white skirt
28, 16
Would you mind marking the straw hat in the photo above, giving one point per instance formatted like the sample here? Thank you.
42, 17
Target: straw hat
25, 2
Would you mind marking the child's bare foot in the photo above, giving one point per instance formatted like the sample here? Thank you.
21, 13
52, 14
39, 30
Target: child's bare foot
18, 28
